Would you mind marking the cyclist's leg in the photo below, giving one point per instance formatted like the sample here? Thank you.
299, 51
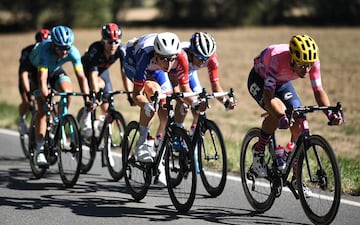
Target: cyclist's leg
60, 81
289, 96
163, 85
104, 83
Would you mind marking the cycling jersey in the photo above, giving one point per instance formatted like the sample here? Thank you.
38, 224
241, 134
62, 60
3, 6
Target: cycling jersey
45, 57
25, 65
273, 64
140, 64
212, 65
94, 58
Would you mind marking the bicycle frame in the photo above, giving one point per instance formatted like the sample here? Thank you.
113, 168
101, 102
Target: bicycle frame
300, 143
110, 114
198, 134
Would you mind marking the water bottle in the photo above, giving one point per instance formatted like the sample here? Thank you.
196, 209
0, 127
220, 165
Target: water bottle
288, 149
279, 152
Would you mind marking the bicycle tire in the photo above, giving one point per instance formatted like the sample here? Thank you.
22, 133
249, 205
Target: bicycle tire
69, 151
36, 171
88, 148
24, 138
113, 139
212, 158
325, 186
180, 163
137, 175
258, 191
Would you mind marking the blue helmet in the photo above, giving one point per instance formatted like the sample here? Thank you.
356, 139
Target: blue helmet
62, 36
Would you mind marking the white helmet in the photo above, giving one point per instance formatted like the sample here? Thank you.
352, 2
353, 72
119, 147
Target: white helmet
167, 44
202, 44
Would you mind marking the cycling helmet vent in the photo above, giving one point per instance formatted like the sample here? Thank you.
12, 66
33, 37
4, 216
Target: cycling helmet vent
42, 34
203, 44
111, 31
303, 49
167, 44
62, 36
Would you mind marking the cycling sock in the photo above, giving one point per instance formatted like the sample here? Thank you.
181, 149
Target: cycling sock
263, 141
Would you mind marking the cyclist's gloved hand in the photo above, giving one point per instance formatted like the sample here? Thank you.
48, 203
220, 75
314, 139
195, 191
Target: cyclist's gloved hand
229, 105
149, 109
198, 105
284, 122
335, 118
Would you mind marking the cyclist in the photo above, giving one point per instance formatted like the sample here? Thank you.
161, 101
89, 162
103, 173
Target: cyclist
96, 61
148, 61
48, 56
25, 70
201, 53
269, 83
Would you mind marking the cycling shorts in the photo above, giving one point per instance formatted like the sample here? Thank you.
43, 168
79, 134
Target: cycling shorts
285, 92
54, 81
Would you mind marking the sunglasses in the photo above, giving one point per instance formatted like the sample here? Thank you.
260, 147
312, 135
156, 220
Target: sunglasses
112, 42
167, 58
200, 57
62, 48
304, 66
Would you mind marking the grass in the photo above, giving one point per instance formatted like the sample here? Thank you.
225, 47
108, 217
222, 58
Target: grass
236, 48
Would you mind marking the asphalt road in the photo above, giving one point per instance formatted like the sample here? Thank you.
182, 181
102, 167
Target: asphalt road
95, 199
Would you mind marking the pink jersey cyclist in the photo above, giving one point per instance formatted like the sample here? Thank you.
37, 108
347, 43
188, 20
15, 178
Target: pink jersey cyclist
273, 64
269, 83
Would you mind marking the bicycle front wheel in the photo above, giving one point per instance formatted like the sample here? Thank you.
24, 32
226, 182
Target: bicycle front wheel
180, 170
69, 151
24, 138
113, 139
36, 171
137, 175
258, 191
88, 148
318, 169
212, 159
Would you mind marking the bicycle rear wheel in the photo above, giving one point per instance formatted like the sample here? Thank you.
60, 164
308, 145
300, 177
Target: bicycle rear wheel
88, 148
319, 171
137, 175
180, 171
24, 138
113, 138
36, 171
212, 159
69, 151
258, 191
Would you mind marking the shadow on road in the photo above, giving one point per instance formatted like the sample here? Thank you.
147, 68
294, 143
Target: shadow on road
96, 196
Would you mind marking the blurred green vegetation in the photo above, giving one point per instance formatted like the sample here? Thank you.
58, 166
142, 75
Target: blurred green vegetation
22, 15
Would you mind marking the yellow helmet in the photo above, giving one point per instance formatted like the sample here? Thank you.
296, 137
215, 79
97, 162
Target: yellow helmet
303, 49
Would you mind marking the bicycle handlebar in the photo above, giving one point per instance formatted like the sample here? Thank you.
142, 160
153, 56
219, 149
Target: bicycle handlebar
291, 111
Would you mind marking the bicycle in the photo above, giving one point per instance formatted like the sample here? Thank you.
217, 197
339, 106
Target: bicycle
62, 142
24, 137
210, 150
179, 164
316, 167
109, 140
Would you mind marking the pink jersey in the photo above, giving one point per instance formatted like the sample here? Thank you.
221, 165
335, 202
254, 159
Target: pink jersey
274, 62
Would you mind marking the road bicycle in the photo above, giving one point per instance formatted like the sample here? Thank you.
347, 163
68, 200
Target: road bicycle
62, 142
210, 149
178, 162
315, 166
109, 140
24, 137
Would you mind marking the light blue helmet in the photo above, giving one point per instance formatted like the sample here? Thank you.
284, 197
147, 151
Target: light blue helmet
62, 36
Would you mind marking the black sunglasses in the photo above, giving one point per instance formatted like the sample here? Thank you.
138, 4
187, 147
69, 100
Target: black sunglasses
111, 42
167, 58
62, 48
